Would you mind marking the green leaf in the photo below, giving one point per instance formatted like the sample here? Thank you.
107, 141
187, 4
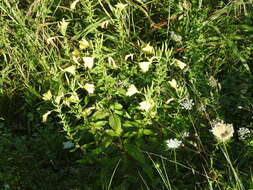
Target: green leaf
131, 124
148, 132
111, 133
115, 123
99, 123
116, 106
130, 134
99, 115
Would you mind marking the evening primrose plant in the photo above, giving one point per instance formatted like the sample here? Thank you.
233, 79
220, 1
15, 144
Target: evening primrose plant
126, 94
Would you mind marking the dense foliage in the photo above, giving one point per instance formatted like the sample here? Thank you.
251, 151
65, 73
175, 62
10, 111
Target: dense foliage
138, 94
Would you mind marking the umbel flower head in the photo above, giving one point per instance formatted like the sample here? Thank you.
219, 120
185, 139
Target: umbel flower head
221, 130
173, 143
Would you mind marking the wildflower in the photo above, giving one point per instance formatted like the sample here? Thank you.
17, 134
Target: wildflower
71, 69
66, 102
131, 90
73, 5
221, 130
187, 104
169, 100
173, 143
58, 98
175, 37
144, 66
244, 133
112, 62
47, 96
74, 98
68, 145
50, 40
179, 64
84, 44
173, 83
90, 88
63, 26
145, 105
45, 115
120, 6
104, 24
131, 56
149, 50
88, 62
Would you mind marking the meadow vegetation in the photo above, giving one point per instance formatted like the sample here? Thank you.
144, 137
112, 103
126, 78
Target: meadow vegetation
131, 94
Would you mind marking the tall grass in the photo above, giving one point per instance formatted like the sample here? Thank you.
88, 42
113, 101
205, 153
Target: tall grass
122, 95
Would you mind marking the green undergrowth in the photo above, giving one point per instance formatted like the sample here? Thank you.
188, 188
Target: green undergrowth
103, 94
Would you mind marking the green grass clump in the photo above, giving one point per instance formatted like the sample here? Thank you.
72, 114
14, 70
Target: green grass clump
126, 95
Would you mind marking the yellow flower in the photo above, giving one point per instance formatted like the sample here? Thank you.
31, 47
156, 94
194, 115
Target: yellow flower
179, 63
84, 44
73, 98
146, 105
45, 115
88, 62
169, 100
222, 131
173, 83
71, 69
58, 98
131, 56
131, 90
144, 66
47, 96
149, 50
112, 62
104, 24
90, 88
76, 53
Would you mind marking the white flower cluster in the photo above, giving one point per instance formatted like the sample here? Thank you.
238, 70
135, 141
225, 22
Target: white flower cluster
244, 133
173, 143
187, 104
221, 130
